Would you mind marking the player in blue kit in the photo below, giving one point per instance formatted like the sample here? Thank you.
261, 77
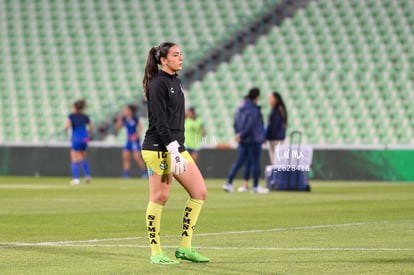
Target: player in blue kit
82, 129
132, 147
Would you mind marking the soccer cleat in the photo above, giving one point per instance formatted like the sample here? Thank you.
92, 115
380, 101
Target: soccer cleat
88, 179
260, 190
190, 254
74, 182
163, 259
228, 187
243, 189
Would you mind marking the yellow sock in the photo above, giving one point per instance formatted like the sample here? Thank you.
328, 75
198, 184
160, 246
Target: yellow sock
153, 218
191, 212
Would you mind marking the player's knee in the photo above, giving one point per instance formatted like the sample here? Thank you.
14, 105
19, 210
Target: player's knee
204, 195
160, 198
200, 194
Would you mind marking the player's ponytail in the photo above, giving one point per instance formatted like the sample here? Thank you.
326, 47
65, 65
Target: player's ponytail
153, 60
151, 68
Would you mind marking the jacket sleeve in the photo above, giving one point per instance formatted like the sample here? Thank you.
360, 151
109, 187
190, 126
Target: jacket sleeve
235, 122
248, 124
158, 102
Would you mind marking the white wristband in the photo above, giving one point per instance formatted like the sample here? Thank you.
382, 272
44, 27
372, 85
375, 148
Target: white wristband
173, 146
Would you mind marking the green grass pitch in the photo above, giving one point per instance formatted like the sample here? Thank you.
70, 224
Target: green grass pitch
50, 227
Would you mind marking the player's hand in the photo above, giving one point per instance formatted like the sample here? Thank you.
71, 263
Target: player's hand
178, 162
237, 138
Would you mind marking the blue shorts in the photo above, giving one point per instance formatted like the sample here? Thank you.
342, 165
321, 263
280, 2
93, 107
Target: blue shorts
132, 146
79, 145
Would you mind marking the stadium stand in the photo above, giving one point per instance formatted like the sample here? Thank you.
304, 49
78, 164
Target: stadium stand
53, 52
345, 67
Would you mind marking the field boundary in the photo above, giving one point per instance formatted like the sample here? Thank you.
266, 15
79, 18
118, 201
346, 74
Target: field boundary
94, 242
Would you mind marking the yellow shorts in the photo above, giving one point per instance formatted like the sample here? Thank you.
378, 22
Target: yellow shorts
160, 162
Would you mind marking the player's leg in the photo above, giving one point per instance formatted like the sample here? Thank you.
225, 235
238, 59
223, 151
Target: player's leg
141, 164
159, 187
75, 159
194, 154
159, 190
84, 163
139, 161
193, 183
160, 181
135, 150
126, 163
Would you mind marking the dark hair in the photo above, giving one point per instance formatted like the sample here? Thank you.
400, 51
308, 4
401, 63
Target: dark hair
253, 93
153, 60
192, 110
79, 105
132, 108
280, 106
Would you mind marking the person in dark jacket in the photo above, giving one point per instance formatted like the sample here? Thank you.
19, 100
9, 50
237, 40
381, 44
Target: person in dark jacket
277, 123
248, 125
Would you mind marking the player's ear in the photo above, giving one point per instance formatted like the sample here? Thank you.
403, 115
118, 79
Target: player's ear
163, 60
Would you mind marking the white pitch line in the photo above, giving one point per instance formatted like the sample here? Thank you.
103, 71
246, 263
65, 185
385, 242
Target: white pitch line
68, 242
310, 248
281, 229
277, 229
338, 249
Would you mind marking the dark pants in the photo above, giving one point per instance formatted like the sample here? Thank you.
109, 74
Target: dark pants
249, 155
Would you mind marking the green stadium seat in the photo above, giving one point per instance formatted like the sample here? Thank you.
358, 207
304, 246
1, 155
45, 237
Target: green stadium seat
344, 43
348, 55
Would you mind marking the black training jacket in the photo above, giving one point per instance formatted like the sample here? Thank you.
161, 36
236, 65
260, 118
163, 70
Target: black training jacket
166, 112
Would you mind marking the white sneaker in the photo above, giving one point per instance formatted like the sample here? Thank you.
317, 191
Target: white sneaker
74, 182
243, 189
260, 190
228, 187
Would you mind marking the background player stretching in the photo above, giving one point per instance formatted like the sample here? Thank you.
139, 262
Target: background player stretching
132, 146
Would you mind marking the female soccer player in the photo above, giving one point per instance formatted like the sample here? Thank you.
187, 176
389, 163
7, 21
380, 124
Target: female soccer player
277, 123
164, 153
82, 128
133, 145
194, 132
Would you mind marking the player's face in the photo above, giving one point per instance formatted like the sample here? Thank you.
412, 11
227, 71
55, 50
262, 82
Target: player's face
127, 111
174, 60
272, 100
189, 114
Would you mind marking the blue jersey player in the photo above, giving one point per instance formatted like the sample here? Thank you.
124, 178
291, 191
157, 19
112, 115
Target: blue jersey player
132, 146
82, 128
